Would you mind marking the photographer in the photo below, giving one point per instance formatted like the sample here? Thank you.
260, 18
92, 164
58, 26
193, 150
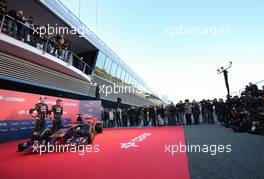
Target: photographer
251, 89
196, 112
221, 111
188, 112
180, 112
209, 112
203, 110
216, 108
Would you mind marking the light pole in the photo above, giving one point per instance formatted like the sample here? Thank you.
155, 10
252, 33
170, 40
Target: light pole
225, 72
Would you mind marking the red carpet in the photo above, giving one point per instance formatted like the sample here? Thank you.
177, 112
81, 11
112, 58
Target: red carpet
148, 160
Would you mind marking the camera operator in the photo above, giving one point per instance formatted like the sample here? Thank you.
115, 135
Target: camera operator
255, 108
252, 89
240, 121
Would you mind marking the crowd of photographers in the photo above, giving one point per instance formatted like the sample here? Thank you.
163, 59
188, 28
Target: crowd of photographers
243, 113
246, 113
180, 114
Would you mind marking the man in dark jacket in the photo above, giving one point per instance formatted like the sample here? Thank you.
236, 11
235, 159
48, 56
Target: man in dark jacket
221, 110
57, 111
15, 23
152, 115
204, 111
196, 112
180, 110
145, 116
41, 110
210, 112
124, 118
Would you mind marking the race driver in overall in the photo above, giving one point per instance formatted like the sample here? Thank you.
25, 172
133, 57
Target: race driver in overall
40, 111
57, 111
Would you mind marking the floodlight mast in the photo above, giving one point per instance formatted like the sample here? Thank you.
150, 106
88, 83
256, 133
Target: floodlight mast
225, 72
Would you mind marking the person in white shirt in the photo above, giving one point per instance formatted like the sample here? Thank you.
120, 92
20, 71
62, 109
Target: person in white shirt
111, 118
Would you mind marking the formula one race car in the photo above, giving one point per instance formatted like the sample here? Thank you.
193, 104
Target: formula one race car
80, 133
38, 138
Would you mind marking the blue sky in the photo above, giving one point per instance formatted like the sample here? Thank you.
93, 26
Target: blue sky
182, 66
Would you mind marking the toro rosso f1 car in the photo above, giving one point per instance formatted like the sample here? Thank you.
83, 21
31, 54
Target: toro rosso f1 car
38, 138
83, 132
80, 133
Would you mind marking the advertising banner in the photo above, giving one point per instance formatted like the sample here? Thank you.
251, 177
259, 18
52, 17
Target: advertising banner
91, 108
16, 105
17, 123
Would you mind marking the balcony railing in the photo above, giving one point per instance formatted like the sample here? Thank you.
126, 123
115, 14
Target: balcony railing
45, 42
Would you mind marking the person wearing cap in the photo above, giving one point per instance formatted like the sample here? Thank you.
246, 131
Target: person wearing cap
41, 109
57, 111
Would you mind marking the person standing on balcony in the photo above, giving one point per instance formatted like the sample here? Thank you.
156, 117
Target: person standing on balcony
62, 47
55, 44
27, 30
3, 10
15, 23
65, 51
